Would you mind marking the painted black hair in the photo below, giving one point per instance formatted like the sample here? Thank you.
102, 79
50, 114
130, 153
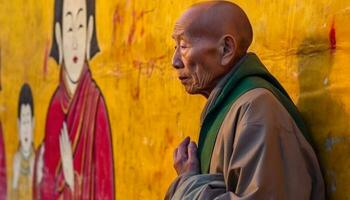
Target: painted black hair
25, 98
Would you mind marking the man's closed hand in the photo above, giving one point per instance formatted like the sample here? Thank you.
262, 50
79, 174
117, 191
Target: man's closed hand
185, 157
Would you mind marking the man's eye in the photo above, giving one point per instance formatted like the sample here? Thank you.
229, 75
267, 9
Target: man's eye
183, 47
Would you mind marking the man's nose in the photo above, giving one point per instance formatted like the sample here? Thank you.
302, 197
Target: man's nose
177, 62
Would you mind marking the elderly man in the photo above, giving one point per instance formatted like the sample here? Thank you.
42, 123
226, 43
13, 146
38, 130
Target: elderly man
253, 143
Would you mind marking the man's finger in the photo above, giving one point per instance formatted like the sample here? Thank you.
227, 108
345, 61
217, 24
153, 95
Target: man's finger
182, 149
175, 154
192, 151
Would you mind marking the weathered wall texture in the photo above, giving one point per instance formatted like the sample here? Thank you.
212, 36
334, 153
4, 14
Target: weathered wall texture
306, 44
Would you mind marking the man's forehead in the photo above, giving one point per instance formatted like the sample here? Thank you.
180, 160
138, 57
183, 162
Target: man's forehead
184, 24
178, 31
190, 23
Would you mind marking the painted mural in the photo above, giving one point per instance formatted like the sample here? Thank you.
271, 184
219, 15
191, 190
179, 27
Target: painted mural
80, 57
75, 160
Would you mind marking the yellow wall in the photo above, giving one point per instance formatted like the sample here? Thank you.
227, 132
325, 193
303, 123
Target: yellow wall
148, 108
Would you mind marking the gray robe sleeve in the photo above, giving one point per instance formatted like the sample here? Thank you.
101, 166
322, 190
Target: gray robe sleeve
267, 160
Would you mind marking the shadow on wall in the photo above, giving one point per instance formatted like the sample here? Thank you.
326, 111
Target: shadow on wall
323, 114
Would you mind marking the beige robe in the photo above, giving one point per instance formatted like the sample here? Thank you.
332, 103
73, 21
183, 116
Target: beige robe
22, 183
259, 153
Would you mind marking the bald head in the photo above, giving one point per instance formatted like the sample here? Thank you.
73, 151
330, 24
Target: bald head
214, 19
210, 39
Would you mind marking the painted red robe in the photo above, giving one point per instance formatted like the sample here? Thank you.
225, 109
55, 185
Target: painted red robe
3, 180
89, 131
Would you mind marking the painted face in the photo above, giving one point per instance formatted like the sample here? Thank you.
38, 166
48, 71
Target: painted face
74, 37
196, 61
26, 128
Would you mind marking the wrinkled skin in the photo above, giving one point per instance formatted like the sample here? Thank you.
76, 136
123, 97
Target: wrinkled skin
210, 38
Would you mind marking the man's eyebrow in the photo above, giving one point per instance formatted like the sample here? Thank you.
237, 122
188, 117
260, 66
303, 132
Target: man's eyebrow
80, 10
177, 35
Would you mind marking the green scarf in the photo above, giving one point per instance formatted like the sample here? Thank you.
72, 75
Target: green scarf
248, 74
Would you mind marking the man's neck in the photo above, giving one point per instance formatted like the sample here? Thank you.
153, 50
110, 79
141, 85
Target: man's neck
221, 80
215, 83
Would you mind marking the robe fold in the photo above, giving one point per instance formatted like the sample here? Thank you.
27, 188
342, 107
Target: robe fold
253, 143
86, 116
3, 180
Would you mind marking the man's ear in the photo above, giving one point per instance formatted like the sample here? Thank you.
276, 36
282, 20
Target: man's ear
58, 38
228, 49
90, 31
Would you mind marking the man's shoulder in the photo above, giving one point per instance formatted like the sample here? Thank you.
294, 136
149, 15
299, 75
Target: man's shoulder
251, 104
259, 106
257, 97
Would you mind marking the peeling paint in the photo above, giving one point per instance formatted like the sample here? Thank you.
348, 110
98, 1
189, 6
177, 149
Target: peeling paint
46, 58
331, 141
332, 36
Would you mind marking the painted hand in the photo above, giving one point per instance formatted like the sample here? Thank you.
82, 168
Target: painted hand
185, 157
67, 157
40, 167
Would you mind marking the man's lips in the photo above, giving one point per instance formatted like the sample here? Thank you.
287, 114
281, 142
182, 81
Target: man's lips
183, 79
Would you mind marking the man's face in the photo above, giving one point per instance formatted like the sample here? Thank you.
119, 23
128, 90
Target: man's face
26, 124
196, 60
74, 36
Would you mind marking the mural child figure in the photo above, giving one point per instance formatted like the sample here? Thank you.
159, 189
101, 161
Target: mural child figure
75, 159
23, 161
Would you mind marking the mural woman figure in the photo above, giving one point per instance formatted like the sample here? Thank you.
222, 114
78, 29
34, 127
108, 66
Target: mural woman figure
75, 160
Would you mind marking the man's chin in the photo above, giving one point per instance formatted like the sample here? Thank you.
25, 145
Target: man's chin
191, 91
